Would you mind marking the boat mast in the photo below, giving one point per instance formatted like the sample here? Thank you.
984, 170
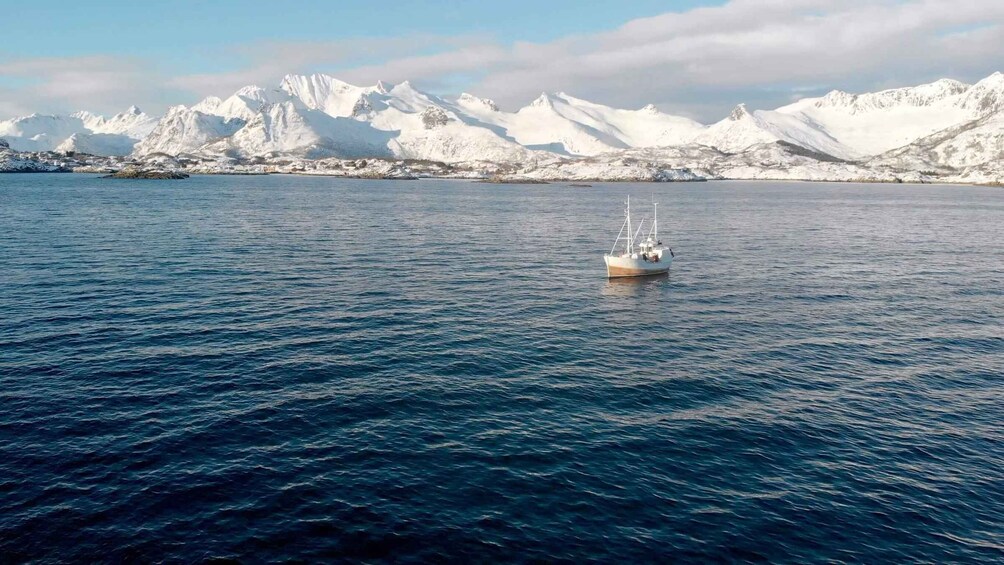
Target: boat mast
655, 220
619, 238
641, 226
630, 234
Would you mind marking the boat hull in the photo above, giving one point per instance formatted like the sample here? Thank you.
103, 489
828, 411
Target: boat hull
636, 266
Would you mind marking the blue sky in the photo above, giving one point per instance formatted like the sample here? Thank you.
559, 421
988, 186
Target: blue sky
171, 32
691, 57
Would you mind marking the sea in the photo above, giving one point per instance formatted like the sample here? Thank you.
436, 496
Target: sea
291, 368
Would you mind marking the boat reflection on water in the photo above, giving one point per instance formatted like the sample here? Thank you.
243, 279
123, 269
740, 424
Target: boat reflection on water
635, 286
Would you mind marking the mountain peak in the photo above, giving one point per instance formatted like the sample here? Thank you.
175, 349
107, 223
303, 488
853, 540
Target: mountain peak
317, 82
315, 77
134, 110
950, 83
739, 112
939, 89
650, 109
85, 115
251, 91
471, 100
208, 104
404, 89
986, 96
542, 101
995, 80
837, 98
381, 87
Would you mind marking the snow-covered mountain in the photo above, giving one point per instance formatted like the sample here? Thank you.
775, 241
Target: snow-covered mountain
744, 129
878, 122
83, 131
567, 125
401, 121
132, 123
945, 127
183, 130
319, 116
39, 132
328, 94
971, 144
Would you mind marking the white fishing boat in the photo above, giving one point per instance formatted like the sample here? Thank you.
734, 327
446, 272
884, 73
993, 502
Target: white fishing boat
640, 257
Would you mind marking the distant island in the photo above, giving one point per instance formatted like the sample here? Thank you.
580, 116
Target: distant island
147, 174
945, 131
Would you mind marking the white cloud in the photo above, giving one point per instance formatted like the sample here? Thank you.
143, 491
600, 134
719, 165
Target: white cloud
267, 63
698, 62
754, 46
105, 83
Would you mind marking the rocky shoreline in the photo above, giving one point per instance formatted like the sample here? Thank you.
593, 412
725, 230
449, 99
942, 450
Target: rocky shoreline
773, 161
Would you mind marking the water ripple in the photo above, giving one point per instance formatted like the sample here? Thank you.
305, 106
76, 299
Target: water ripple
215, 370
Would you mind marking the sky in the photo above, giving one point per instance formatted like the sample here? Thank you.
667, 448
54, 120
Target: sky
697, 58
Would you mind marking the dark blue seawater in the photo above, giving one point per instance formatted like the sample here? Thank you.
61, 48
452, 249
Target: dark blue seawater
263, 368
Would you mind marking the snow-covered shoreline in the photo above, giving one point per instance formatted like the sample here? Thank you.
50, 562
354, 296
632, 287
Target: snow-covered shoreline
609, 170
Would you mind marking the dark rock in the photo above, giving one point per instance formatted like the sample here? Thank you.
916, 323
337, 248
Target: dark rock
433, 117
362, 106
511, 180
146, 174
